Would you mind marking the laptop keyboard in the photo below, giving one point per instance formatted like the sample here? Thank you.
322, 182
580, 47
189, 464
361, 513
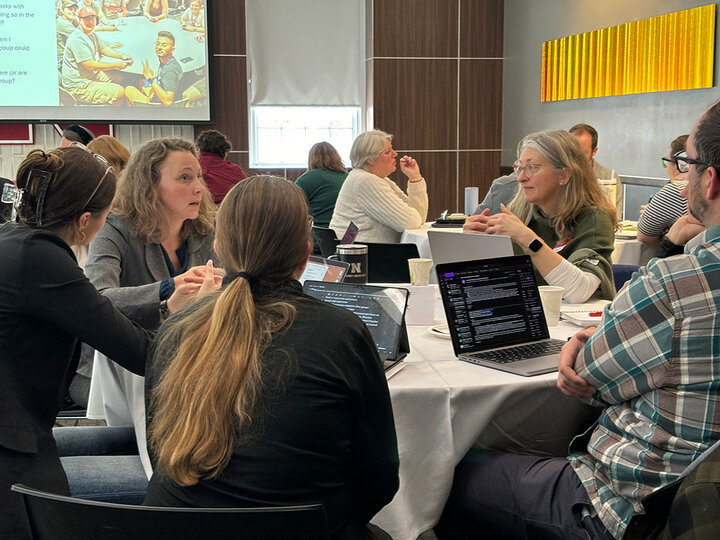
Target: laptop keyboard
519, 352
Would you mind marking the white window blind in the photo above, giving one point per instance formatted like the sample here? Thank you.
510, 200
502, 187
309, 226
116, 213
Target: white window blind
305, 52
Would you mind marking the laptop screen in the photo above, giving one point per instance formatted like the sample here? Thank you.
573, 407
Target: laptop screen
382, 309
319, 269
491, 303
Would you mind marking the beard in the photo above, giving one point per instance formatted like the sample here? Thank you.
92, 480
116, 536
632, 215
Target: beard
697, 206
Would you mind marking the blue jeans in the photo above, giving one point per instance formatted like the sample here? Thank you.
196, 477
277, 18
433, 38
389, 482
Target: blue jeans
102, 463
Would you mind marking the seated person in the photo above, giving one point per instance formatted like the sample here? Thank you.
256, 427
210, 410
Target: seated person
193, 19
115, 152
380, 209
219, 174
103, 24
652, 363
156, 10
560, 217
157, 238
502, 191
263, 396
66, 24
83, 70
587, 136
322, 182
114, 9
666, 206
162, 85
76, 133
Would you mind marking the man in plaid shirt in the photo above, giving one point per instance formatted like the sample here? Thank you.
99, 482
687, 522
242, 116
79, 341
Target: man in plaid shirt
653, 364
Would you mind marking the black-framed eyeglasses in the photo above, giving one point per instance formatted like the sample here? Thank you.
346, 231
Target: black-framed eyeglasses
684, 162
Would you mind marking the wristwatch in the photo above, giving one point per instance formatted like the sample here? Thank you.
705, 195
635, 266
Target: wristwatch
164, 311
535, 245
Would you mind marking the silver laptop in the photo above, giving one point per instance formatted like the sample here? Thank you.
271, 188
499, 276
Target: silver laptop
495, 317
448, 247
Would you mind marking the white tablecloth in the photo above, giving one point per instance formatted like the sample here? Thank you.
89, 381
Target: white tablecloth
442, 406
627, 251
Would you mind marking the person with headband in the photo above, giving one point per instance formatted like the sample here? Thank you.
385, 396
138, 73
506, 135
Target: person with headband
47, 307
262, 395
559, 217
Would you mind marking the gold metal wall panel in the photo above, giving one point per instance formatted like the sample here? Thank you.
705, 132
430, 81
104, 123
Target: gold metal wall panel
669, 52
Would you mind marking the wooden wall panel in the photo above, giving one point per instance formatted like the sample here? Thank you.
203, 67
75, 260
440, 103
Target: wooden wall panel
440, 171
481, 28
415, 28
477, 169
480, 104
228, 25
416, 101
229, 95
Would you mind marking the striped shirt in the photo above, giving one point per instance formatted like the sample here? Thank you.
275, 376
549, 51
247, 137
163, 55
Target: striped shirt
654, 360
663, 210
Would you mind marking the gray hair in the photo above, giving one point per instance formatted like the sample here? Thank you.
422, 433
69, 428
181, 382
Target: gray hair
367, 147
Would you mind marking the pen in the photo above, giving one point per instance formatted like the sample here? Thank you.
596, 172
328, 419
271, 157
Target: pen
595, 313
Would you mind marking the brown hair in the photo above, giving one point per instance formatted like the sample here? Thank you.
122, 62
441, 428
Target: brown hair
203, 405
678, 144
323, 155
586, 128
563, 151
111, 149
137, 199
60, 185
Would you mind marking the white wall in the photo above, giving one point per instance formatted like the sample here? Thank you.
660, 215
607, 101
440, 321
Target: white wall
634, 130
132, 136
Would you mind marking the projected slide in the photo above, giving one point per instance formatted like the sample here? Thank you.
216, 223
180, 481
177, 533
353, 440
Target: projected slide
105, 60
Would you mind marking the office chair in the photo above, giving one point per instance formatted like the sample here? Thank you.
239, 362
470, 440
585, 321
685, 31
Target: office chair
325, 239
387, 263
57, 517
622, 273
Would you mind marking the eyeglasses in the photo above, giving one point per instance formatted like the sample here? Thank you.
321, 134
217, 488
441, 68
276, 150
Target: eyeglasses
311, 221
673, 160
103, 162
684, 162
529, 169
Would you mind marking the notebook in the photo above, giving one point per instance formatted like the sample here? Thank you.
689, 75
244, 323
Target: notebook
382, 309
319, 269
448, 247
495, 316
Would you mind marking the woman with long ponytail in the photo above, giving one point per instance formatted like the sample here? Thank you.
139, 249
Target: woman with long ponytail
259, 395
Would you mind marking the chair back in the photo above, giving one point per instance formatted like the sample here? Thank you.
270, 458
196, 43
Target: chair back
326, 239
56, 517
388, 263
622, 273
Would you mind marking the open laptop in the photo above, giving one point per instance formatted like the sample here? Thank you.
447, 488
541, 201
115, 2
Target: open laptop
382, 309
448, 247
495, 317
319, 269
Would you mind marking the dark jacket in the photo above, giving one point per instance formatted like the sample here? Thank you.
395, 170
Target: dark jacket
46, 305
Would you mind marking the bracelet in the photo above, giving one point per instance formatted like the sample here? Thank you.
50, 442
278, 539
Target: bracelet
416, 180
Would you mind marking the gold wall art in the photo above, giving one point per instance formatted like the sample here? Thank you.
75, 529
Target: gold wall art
669, 52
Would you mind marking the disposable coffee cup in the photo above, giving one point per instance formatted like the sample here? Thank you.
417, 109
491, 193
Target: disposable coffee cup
609, 188
551, 298
419, 271
356, 255
471, 200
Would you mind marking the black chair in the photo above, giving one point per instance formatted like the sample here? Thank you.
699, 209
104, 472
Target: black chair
326, 240
56, 517
622, 273
388, 263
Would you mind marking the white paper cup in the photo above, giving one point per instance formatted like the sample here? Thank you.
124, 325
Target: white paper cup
551, 298
420, 271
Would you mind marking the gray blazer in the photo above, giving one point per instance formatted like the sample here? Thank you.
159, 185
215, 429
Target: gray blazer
129, 272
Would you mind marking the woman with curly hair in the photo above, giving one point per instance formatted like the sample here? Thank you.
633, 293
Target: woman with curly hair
158, 237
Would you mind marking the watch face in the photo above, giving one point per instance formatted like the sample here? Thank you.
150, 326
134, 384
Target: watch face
535, 245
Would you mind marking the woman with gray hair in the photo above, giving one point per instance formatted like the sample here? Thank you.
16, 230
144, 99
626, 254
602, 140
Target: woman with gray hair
380, 209
559, 217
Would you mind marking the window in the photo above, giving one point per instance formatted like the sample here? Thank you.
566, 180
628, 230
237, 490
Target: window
281, 136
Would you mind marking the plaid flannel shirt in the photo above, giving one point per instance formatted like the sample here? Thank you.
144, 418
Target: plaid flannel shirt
655, 362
